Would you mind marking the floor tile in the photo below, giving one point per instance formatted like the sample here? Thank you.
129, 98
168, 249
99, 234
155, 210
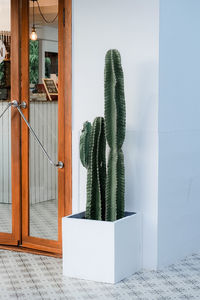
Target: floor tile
33, 277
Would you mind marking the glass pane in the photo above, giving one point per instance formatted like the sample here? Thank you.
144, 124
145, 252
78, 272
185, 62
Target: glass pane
5, 121
43, 68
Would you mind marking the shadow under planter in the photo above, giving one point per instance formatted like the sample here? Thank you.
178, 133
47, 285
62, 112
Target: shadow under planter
100, 250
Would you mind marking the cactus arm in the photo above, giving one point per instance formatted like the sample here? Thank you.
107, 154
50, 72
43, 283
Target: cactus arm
120, 185
91, 175
110, 104
97, 207
115, 107
115, 128
102, 167
96, 170
85, 144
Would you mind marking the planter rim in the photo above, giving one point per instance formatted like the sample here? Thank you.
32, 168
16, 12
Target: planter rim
78, 216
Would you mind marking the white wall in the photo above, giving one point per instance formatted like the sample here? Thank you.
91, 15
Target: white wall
45, 32
48, 42
131, 26
5, 15
179, 130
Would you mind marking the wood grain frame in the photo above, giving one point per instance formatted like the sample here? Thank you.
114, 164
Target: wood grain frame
15, 237
64, 132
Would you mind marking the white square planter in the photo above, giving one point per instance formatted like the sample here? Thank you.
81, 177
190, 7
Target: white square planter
99, 250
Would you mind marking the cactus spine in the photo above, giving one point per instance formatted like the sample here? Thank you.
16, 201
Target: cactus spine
92, 153
115, 128
105, 192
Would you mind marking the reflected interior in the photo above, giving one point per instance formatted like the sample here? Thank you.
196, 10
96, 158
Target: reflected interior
43, 74
5, 121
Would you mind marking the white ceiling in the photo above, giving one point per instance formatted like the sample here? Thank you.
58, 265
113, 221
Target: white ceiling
44, 2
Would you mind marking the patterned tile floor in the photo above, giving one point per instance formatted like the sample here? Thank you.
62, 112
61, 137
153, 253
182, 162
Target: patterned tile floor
43, 219
32, 277
6, 218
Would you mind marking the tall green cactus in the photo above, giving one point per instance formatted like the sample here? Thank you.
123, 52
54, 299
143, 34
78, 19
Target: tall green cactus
115, 128
92, 153
105, 192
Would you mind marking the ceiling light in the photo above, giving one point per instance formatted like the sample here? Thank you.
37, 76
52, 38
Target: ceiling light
33, 35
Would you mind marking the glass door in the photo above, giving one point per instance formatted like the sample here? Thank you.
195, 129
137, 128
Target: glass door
35, 133
10, 183
42, 178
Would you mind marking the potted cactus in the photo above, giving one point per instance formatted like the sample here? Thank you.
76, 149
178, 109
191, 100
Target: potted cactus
103, 243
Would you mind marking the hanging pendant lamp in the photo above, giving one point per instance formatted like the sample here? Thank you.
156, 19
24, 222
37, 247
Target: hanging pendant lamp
33, 35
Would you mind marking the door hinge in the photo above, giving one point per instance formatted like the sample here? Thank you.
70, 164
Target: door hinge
64, 17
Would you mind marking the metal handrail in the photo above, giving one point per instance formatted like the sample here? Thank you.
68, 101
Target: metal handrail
15, 104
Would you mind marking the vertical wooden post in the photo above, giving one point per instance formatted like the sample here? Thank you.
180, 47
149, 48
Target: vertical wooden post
64, 110
15, 120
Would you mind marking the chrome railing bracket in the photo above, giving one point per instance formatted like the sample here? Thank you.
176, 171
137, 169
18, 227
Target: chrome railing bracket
23, 105
60, 165
14, 103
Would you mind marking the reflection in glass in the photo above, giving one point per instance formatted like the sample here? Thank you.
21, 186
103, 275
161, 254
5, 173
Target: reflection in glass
51, 64
43, 63
5, 121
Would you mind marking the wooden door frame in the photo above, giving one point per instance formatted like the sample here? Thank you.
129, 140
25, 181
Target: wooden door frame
15, 237
64, 132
